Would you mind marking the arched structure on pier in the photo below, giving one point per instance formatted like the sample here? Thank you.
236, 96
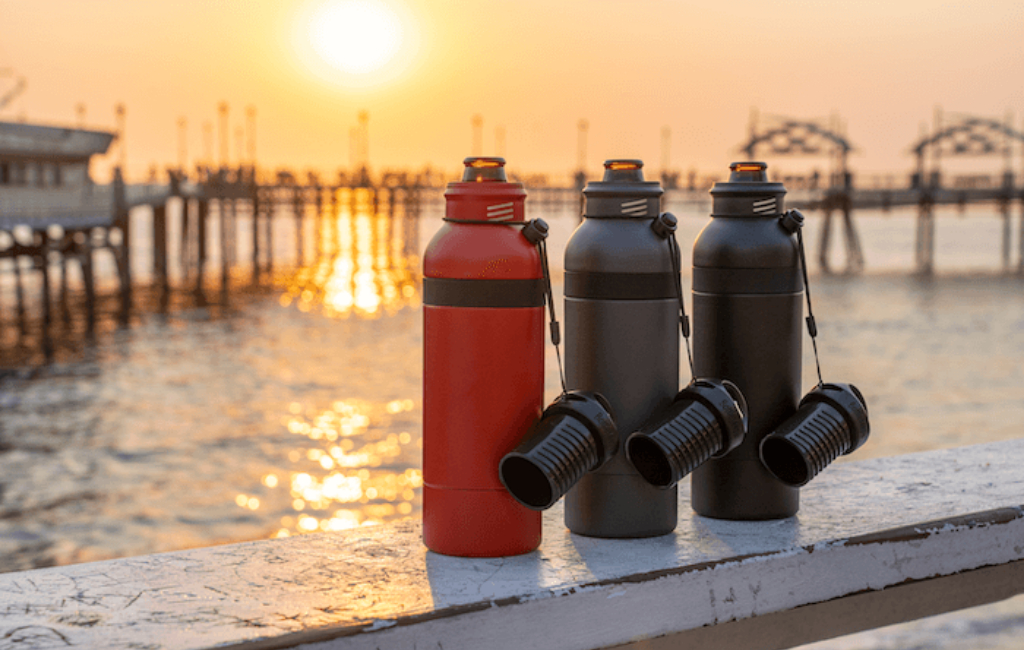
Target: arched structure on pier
970, 136
792, 137
799, 138
964, 135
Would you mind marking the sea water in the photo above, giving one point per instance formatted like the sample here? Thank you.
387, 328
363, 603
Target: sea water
295, 406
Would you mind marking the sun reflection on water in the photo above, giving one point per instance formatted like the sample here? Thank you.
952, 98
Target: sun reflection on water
355, 472
354, 465
368, 257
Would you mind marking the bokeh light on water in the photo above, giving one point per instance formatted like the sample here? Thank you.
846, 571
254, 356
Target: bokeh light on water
344, 476
341, 476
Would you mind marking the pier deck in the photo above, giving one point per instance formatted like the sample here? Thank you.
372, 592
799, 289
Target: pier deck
883, 198
876, 542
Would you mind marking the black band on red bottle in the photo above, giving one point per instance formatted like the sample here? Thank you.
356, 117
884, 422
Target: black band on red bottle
461, 292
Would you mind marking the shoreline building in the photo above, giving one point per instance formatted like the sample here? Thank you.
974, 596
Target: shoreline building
44, 177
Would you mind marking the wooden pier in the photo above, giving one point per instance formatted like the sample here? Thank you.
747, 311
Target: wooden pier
53, 218
51, 223
847, 201
837, 192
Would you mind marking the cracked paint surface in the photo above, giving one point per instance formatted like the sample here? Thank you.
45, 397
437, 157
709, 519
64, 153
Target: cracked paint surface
381, 586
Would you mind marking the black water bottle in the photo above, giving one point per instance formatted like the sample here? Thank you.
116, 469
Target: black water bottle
747, 324
622, 342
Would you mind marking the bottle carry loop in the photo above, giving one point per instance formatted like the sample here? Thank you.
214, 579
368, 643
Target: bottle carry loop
664, 226
536, 232
793, 221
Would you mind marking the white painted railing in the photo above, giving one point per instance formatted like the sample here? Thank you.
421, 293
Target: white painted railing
876, 542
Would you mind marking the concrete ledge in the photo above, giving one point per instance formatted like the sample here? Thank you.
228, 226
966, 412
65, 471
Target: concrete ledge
869, 535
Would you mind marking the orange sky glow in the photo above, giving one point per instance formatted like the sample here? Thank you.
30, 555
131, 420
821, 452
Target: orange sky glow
530, 68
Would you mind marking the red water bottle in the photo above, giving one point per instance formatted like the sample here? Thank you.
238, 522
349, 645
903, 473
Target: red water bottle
483, 365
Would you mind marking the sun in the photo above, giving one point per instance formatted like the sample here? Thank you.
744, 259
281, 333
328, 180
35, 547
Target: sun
357, 37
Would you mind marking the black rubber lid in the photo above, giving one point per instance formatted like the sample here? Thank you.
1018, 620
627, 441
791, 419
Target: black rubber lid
846, 399
724, 399
594, 411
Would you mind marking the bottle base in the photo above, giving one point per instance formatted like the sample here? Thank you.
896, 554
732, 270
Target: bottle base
478, 523
741, 490
620, 506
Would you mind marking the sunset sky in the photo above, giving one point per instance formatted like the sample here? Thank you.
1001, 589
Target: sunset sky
532, 68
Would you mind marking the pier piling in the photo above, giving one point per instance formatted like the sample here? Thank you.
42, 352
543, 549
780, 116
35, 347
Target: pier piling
63, 249
84, 239
19, 292
854, 254
122, 254
42, 242
1004, 211
224, 209
299, 209
268, 233
160, 247
186, 251
202, 216
257, 206
1020, 238
318, 226
823, 241
924, 252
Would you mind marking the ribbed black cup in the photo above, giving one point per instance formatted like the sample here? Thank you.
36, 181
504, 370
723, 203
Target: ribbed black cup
574, 435
831, 420
705, 420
